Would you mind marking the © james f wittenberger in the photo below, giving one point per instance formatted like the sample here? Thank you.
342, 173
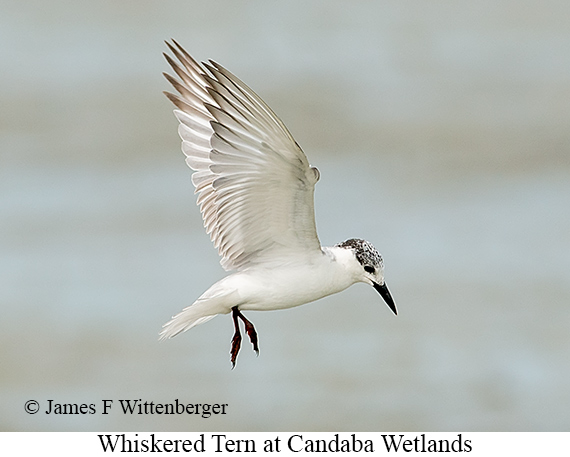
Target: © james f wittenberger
138, 406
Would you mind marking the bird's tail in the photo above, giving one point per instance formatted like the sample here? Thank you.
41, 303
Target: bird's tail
202, 310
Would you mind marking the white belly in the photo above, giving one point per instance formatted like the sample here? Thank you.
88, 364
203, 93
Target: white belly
269, 289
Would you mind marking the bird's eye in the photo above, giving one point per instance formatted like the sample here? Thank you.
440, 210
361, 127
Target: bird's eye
369, 269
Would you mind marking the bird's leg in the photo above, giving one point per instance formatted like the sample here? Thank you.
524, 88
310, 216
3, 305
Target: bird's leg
236, 340
250, 329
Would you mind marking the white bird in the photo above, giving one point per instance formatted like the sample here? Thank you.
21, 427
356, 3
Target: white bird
255, 191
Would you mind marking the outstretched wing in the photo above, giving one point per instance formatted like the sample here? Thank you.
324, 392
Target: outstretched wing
254, 183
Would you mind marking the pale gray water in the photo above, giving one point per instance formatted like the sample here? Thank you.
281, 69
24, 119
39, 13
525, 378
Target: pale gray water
441, 132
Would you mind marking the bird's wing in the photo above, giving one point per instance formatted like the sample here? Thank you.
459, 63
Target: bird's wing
254, 183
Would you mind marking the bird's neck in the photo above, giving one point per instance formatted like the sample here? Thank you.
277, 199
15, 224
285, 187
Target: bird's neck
344, 261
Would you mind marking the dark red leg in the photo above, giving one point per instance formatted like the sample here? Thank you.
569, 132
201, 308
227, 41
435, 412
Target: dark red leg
236, 340
250, 329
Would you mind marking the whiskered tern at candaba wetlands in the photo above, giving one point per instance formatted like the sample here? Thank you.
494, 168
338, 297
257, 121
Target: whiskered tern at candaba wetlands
255, 190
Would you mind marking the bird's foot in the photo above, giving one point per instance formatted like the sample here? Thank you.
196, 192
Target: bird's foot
236, 346
236, 340
250, 329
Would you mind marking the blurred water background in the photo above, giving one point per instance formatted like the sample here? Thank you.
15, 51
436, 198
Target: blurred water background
441, 130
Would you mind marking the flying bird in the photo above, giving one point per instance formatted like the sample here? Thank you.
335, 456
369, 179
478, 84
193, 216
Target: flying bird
255, 191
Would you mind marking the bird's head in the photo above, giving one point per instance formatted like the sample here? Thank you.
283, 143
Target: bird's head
372, 266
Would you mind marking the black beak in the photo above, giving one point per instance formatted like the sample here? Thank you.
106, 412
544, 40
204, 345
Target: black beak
385, 293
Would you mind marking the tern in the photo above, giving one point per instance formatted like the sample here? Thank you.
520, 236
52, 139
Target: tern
255, 191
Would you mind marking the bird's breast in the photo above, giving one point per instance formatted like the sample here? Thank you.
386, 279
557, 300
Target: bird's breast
293, 285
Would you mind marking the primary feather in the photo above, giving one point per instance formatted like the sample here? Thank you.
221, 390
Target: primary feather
254, 183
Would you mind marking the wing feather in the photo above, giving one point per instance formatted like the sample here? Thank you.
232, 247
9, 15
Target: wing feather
254, 183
